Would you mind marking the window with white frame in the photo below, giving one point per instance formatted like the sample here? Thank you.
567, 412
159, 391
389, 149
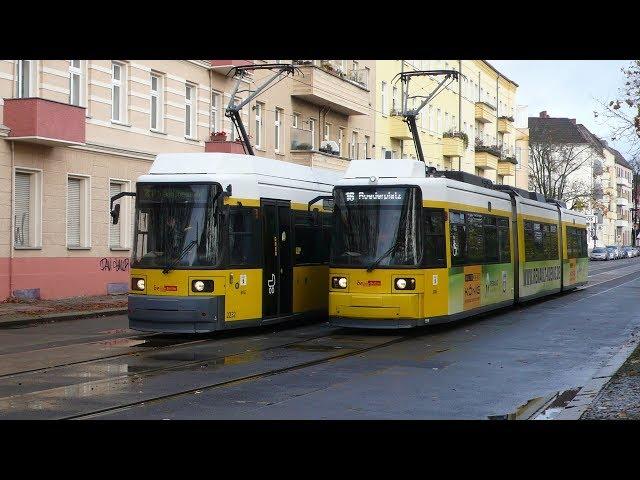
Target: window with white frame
77, 212
366, 146
243, 113
118, 233
277, 126
431, 122
156, 102
438, 122
367, 72
118, 92
353, 150
216, 101
27, 208
25, 78
326, 132
76, 82
383, 152
312, 128
383, 99
190, 105
295, 120
340, 140
259, 112
518, 158
395, 105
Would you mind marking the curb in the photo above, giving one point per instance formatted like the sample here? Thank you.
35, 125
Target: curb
57, 317
588, 393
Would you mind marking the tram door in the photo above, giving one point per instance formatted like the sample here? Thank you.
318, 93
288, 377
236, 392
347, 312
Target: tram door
277, 291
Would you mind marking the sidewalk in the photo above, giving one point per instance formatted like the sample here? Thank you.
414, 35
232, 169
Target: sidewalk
42, 311
620, 398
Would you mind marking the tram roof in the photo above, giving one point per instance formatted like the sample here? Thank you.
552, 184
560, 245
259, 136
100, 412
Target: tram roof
238, 164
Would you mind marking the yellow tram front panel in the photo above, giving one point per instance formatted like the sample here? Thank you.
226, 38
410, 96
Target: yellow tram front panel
310, 288
372, 294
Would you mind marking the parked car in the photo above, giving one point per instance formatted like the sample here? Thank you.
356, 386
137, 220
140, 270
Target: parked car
627, 252
614, 252
600, 253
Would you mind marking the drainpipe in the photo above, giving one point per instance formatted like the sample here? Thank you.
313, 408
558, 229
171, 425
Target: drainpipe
11, 226
460, 108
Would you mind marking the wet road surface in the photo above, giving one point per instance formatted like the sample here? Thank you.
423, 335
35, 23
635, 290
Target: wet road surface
472, 369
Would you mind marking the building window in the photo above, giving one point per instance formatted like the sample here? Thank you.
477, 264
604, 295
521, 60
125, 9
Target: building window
277, 125
366, 146
216, 98
156, 102
431, 119
383, 99
118, 233
25, 78
190, 104
395, 104
295, 121
367, 72
77, 212
259, 112
312, 127
340, 140
27, 208
118, 92
327, 132
243, 113
383, 152
438, 122
353, 150
76, 82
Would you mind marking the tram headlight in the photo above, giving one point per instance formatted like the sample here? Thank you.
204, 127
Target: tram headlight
405, 283
138, 284
339, 282
202, 286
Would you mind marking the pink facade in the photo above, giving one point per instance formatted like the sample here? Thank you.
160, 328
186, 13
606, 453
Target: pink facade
64, 276
46, 119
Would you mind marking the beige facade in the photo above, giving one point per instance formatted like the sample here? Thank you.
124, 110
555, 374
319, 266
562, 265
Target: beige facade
56, 239
481, 104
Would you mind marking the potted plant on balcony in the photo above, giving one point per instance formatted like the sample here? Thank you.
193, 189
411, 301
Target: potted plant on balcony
509, 118
219, 136
456, 134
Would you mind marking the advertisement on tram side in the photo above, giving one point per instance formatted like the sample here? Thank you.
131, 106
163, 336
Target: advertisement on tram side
475, 286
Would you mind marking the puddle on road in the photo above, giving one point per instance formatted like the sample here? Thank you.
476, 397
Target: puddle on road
540, 408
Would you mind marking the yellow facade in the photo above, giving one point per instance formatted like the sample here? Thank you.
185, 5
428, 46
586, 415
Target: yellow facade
481, 104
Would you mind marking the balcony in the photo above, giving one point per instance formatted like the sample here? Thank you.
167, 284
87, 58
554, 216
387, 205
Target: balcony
485, 113
326, 86
622, 201
399, 129
486, 156
622, 223
453, 144
225, 66
505, 124
619, 181
37, 120
224, 147
506, 168
315, 158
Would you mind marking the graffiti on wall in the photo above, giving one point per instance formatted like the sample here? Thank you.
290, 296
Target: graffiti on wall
116, 264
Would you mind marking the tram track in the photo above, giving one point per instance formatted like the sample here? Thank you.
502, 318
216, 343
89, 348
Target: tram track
78, 391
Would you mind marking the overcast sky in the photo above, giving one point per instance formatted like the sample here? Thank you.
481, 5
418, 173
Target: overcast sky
567, 88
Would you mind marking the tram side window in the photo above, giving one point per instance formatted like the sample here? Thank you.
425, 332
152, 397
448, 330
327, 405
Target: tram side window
504, 245
491, 239
434, 249
244, 236
458, 231
311, 240
584, 252
540, 241
576, 242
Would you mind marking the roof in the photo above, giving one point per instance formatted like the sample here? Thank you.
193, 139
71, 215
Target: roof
500, 74
620, 160
562, 130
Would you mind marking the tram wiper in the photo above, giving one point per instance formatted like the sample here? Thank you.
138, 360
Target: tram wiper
170, 266
385, 254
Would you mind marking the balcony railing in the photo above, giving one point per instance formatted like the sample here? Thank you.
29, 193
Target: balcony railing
38, 120
491, 149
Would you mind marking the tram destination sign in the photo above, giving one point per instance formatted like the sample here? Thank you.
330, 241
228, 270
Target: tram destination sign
377, 196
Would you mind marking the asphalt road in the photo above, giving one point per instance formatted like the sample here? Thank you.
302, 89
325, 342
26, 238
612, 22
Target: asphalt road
475, 369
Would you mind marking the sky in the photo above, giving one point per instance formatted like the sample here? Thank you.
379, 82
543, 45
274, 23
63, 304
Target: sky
567, 89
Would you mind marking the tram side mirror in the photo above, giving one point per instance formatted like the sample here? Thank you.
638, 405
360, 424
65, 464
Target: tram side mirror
115, 214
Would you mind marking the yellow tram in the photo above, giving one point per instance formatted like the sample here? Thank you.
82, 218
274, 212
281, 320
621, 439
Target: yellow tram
225, 241
411, 246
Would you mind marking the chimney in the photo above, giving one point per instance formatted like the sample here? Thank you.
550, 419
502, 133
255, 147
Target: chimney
543, 114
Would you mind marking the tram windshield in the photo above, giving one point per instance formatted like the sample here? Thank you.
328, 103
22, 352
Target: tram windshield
177, 225
376, 226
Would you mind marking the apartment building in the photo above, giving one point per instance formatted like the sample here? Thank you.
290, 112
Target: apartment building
604, 177
469, 126
75, 132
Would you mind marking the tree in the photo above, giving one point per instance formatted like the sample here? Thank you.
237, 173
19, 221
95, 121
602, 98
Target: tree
553, 170
622, 114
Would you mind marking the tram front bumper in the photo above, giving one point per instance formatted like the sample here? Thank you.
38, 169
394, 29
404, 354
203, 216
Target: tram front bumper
376, 310
171, 314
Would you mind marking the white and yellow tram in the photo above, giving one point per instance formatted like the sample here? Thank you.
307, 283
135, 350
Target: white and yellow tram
225, 241
413, 247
